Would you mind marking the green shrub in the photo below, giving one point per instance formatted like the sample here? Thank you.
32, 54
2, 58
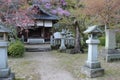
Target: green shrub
16, 49
118, 38
102, 41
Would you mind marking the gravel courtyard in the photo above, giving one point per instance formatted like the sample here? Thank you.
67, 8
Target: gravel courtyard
39, 66
53, 65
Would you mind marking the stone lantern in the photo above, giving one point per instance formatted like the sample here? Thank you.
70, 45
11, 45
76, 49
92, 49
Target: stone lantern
62, 46
92, 67
5, 73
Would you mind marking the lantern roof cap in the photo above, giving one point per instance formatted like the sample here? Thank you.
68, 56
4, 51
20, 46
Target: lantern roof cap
4, 29
93, 29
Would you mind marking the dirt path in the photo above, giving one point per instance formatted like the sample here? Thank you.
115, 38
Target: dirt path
51, 70
39, 66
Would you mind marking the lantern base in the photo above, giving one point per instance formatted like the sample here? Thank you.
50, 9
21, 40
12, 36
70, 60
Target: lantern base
92, 73
5, 74
93, 65
10, 77
62, 50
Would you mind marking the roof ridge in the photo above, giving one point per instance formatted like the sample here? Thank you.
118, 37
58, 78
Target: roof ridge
44, 11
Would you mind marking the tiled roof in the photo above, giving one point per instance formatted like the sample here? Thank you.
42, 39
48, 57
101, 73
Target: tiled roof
44, 14
44, 17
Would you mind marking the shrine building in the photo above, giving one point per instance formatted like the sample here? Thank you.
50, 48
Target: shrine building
41, 30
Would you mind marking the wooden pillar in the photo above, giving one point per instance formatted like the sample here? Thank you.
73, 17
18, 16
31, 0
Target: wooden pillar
43, 32
26, 34
5, 37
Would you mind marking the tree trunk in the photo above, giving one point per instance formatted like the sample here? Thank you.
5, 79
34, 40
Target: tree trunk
77, 48
77, 39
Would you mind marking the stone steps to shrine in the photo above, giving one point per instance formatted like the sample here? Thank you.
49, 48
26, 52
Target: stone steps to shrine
38, 49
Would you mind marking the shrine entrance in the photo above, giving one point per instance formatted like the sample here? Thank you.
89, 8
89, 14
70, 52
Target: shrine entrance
35, 33
41, 33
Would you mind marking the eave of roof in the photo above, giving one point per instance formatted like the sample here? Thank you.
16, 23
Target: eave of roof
45, 15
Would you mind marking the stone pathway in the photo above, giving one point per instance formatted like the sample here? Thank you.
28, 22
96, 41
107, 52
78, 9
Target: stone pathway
37, 45
38, 48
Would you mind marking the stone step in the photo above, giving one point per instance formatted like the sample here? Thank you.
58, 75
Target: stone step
35, 41
38, 49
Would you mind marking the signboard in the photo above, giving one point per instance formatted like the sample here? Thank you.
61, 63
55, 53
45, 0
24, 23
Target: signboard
40, 23
48, 23
30, 24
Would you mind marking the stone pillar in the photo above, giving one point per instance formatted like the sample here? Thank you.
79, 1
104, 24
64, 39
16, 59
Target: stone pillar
62, 46
5, 37
5, 73
92, 67
92, 53
51, 41
110, 39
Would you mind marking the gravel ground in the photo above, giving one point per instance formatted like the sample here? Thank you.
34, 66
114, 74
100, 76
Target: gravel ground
39, 66
53, 65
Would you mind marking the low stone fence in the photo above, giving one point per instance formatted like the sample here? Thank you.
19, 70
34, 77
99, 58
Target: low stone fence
55, 43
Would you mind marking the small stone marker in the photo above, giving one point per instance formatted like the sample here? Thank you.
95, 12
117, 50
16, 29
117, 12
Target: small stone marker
110, 39
5, 72
110, 52
92, 67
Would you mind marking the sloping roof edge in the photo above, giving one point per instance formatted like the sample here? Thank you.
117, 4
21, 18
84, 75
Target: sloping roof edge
45, 12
